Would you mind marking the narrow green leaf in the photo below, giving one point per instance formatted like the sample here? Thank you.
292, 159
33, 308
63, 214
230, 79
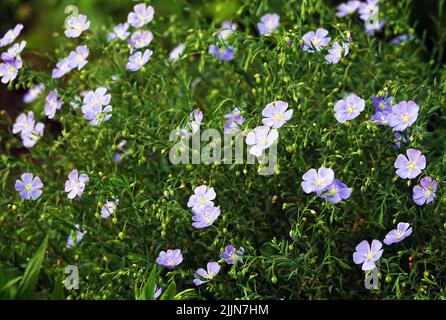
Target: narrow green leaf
170, 292
31, 275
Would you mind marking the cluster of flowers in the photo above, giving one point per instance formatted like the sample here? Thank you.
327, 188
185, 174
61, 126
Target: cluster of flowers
368, 255
172, 258
139, 39
325, 185
368, 12
96, 106
205, 213
315, 41
275, 116
11, 62
30, 131
75, 59
398, 116
409, 168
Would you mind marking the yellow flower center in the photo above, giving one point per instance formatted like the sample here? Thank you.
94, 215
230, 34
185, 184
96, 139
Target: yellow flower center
170, 262
202, 200
350, 109
315, 41
207, 218
278, 117
11, 68
411, 165
333, 191
406, 118
398, 235
319, 181
28, 187
370, 255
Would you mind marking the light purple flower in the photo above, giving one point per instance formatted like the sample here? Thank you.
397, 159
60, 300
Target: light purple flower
400, 39
261, 138
97, 114
204, 276
201, 198
315, 41
141, 15
234, 120
9, 69
205, 217
410, 167
119, 31
402, 231
336, 192
348, 108
75, 185
52, 103
425, 192
316, 181
99, 97
170, 259
78, 59
403, 115
348, 8
368, 9
31, 139
231, 255
14, 51
24, 123
32, 94
109, 208
276, 114
268, 23
383, 107
30, 132
117, 157
11, 35
62, 68
227, 29
29, 187
224, 53
336, 52
140, 39
195, 118
158, 292
138, 60
76, 25
366, 255
176, 53
75, 237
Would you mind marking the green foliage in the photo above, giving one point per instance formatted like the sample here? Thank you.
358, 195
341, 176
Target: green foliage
297, 245
23, 287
